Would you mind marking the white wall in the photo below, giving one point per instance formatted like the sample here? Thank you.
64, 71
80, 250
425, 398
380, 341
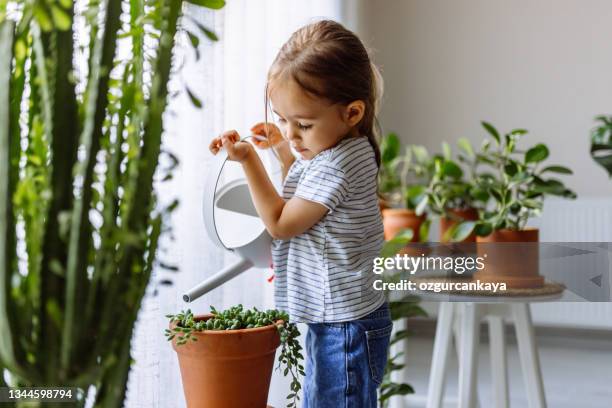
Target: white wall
544, 65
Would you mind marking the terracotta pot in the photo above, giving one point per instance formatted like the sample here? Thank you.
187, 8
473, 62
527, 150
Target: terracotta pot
396, 219
228, 368
511, 257
468, 214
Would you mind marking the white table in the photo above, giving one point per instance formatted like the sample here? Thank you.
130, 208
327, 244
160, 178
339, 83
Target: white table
464, 320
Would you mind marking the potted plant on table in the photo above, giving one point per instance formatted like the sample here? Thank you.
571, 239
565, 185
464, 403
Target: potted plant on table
402, 184
517, 184
226, 351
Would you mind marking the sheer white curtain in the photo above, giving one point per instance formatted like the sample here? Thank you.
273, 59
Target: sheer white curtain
229, 79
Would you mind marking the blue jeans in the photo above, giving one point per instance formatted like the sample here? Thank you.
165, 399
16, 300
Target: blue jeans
346, 361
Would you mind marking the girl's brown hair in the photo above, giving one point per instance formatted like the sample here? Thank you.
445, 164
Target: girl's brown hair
331, 62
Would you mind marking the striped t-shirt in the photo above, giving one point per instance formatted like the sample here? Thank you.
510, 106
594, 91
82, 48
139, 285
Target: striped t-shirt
325, 274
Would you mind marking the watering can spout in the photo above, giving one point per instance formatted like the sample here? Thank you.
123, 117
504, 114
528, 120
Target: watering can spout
217, 279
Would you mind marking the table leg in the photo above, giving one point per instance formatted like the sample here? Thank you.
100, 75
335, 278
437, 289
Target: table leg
469, 356
498, 361
528, 353
439, 359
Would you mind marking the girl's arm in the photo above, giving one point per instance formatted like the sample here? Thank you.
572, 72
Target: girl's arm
283, 219
285, 156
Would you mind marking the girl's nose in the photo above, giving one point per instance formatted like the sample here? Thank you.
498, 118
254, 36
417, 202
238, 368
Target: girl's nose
292, 134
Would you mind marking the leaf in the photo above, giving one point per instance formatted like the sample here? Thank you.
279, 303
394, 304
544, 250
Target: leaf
211, 4
451, 169
195, 41
492, 131
61, 19
602, 154
208, 33
557, 169
395, 389
424, 230
389, 148
422, 205
408, 309
536, 154
463, 230
482, 229
398, 242
446, 151
420, 154
465, 145
194, 100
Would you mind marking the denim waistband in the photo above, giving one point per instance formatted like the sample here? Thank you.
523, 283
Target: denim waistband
381, 312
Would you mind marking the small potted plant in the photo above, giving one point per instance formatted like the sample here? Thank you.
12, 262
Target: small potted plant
517, 184
601, 143
449, 195
402, 184
226, 357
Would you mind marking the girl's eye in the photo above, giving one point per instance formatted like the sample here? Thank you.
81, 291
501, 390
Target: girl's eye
303, 127
281, 120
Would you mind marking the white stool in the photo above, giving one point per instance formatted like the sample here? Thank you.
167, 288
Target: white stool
464, 319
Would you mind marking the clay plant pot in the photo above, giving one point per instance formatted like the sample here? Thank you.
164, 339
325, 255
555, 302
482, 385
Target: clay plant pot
228, 368
446, 223
397, 219
511, 257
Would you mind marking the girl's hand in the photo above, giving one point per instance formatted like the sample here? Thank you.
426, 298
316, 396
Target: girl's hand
236, 150
272, 134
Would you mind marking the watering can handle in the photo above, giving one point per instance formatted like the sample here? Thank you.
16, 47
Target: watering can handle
210, 189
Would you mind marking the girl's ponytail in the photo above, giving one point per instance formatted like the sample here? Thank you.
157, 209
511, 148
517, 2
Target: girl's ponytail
371, 126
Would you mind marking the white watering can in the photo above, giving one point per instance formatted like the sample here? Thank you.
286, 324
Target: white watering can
232, 223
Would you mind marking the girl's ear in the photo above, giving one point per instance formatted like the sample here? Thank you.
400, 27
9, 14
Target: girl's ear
354, 112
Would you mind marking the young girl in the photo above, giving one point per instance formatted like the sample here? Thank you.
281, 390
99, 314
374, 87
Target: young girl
327, 226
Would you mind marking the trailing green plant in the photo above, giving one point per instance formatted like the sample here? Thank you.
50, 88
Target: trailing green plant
237, 318
80, 139
601, 143
405, 308
516, 181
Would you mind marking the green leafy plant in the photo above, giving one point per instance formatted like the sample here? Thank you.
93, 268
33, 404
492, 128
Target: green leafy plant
516, 181
388, 178
448, 188
80, 139
601, 143
405, 308
237, 318
403, 178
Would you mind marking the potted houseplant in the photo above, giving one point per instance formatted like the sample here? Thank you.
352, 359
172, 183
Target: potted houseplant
449, 195
601, 143
225, 351
80, 142
517, 184
402, 184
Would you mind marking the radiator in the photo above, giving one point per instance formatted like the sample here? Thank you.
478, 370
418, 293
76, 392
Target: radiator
581, 220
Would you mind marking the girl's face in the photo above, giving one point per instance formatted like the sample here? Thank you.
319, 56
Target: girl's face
310, 124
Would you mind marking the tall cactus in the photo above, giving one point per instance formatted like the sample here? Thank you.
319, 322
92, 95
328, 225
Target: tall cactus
79, 147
